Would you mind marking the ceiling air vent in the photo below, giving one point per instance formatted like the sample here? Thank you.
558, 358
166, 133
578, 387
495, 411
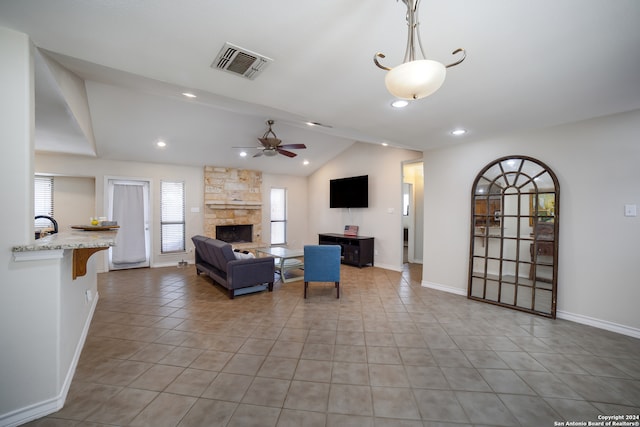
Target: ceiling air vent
240, 61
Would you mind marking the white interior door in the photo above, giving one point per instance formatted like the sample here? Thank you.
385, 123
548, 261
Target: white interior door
129, 206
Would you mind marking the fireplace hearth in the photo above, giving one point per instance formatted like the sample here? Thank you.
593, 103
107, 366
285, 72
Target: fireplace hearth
235, 233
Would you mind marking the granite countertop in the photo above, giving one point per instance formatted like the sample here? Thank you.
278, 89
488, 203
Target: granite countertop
71, 240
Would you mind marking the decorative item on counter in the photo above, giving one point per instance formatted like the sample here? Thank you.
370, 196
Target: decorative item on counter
108, 223
94, 221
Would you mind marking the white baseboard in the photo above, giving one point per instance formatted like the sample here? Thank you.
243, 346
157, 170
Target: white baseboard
445, 288
31, 412
599, 323
54, 404
386, 267
175, 264
168, 264
564, 315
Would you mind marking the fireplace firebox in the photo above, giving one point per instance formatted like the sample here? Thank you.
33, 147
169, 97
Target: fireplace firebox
235, 233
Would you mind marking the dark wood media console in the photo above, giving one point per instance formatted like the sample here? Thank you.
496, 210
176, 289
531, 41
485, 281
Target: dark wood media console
356, 250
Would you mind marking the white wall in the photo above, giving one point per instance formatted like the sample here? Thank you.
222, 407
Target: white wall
383, 218
98, 169
80, 196
297, 208
20, 346
74, 200
596, 162
36, 355
308, 198
16, 137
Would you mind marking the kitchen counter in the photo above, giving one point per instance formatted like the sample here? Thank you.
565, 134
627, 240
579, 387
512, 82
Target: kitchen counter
82, 243
71, 240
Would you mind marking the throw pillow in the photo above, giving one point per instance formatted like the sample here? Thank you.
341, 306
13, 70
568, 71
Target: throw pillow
243, 254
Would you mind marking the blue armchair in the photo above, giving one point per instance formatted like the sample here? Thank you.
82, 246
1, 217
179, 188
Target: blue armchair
322, 264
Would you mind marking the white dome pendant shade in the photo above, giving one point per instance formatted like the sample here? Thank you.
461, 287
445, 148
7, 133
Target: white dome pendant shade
415, 79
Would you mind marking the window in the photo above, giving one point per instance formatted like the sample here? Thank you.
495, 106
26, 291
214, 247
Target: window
278, 216
172, 226
43, 200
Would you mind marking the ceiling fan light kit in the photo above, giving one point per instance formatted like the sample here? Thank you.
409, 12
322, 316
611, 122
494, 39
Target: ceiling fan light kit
272, 145
415, 78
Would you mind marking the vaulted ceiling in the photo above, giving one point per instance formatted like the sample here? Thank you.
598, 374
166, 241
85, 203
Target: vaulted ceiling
530, 64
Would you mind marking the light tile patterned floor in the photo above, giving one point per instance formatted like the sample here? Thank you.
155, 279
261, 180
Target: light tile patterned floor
168, 348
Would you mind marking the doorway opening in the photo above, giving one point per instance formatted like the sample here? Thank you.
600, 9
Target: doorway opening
412, 211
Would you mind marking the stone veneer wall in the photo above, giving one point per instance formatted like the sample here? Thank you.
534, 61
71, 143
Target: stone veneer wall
233, 197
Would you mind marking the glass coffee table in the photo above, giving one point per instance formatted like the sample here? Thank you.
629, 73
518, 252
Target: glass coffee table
289, 262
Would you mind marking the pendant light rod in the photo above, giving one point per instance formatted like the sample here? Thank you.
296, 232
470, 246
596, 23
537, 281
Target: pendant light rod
412, 25
269, 131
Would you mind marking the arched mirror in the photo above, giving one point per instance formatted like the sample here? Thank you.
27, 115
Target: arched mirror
515, 207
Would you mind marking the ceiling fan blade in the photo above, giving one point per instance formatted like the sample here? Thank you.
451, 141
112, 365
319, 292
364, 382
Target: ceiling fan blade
250, 148
296, 146
286, 153
258, 154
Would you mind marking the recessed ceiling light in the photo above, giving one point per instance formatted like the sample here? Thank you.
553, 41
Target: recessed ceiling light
243, 154
189, 95
458, 132
305, 162
399, 103
161, 144
385, 144
318, 124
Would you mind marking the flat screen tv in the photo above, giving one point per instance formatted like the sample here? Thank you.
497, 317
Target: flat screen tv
350, 192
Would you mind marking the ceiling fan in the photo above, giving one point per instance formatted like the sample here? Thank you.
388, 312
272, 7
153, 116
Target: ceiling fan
271, 145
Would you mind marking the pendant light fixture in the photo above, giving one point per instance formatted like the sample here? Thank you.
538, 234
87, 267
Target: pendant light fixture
415, 78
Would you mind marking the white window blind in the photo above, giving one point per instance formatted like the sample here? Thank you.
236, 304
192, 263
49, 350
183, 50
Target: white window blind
278, 216
172, 225
43, 200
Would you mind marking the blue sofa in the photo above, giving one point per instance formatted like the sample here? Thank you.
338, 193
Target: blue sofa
217, 260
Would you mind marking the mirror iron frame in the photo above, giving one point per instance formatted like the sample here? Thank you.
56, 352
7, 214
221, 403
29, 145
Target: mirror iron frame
474, 235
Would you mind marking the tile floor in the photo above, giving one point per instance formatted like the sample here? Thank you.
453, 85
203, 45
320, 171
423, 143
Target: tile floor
168, 348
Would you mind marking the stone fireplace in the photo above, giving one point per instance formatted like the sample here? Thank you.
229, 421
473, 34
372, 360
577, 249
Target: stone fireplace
233, 198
